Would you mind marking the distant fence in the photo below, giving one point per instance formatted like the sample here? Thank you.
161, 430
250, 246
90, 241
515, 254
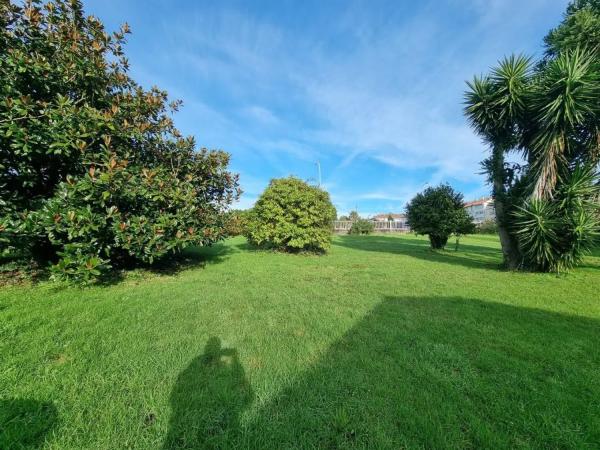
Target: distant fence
388, 226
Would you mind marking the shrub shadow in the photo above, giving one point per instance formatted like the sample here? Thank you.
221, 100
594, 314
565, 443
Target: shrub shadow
20, 271
472, 256
595, 253
247, 247
24, 423
414, 373
190, 258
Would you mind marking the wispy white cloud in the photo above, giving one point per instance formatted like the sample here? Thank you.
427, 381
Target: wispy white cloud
245, 202
260, 114
376, 86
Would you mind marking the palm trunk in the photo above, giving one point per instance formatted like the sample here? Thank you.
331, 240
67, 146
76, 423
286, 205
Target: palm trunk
510, 250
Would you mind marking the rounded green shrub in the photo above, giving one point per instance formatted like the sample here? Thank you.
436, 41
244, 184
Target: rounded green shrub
439, 213
291, 215
235, 222
488, 227
362, 226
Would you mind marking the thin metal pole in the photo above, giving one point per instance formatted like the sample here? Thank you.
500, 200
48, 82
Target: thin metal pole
319, 168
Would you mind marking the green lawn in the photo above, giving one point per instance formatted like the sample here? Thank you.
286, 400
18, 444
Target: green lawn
379, 344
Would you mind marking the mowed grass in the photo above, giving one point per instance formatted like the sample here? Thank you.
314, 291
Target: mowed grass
379, 344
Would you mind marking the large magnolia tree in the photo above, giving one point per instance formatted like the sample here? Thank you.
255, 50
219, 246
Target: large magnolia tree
549, 113
93, 172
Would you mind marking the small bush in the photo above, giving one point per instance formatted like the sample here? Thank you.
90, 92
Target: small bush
488, 227
236, 222
439, 213
362, 226
291, 215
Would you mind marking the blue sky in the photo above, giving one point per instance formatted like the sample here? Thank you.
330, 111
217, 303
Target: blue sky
371, 89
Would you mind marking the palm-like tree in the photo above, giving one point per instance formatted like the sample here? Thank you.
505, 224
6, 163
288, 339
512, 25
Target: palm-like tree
551, 115
496, 107
565, 102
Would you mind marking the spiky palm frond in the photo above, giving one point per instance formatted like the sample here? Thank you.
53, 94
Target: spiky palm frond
593, 144
547, 164
537, 231
496, 105
583, 238
568, 91
511, 79
555, 234
580, 189
480, 107
565, 97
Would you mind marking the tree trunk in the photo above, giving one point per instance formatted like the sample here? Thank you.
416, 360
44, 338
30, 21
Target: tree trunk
510, 251
437, 241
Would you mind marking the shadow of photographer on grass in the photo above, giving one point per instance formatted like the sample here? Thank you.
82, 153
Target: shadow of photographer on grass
25, 423
208, 399
422, 372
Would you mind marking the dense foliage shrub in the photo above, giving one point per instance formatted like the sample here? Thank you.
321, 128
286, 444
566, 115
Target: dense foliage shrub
93, 172
236, 222
488, 227
362, 226
554, 234
439, 213
291, 215
354, 216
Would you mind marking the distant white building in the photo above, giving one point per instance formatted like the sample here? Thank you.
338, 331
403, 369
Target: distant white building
389, 218
390, 222
382, 223
481, 210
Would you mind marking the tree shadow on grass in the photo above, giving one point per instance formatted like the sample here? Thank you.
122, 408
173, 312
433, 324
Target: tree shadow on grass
24, 423
246, 247
19, 270
594, 264
472, 256
417, 373
190, 258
